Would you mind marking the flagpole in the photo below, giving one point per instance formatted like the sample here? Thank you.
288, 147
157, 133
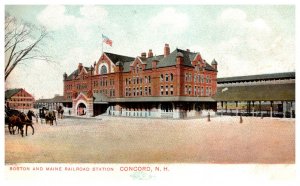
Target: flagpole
102, 44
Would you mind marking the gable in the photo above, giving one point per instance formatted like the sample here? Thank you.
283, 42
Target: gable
198, 57
81, 96
137, 61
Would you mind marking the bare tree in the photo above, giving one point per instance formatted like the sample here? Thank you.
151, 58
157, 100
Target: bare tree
22, 43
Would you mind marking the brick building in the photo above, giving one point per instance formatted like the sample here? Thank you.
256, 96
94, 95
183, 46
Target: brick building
18, 99
177, 85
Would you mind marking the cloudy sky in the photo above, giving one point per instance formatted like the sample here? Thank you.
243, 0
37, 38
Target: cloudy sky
245, 40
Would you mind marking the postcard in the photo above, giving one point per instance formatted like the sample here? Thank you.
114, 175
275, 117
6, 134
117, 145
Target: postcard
149, 92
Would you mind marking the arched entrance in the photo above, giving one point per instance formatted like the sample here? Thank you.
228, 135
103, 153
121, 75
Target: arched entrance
81, 109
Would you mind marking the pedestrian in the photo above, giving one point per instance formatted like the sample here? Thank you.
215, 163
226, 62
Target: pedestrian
208, 117
37, 118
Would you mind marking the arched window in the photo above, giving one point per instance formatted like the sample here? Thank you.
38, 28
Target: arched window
103, 70
167, 77
171, 77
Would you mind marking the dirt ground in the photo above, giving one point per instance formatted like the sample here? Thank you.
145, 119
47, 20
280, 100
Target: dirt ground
136, 140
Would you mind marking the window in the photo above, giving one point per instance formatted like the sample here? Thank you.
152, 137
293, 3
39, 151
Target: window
167, 90
146, 91
141, 91
141, 80
149, 79
126, 81
171, 89
195, 90
207, 93
137, 91
103, 70
161, 90
137, 80
149, 91
198, 92
161, 77
185, 89
133, 91
171, 77
146, 79
186, 77
202, 91
195, 78
129, 92
190, 90
207, 79
167, 77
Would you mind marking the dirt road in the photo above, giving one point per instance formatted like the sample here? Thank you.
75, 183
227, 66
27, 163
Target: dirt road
133, 140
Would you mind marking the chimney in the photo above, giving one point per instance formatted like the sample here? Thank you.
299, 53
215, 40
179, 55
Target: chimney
154, 63
179, 59
188, 50
143, 55
119, 67
65, 76
166, 50
79, 67
150, 53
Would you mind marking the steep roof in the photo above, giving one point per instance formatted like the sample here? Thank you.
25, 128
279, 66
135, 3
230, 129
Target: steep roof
283, 75
10, 92
188, 57
266, 92
168, 61
116, 57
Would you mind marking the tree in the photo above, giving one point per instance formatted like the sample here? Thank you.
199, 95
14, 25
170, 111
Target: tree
22, 43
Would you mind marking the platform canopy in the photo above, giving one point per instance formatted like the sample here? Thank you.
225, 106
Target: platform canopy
267, 92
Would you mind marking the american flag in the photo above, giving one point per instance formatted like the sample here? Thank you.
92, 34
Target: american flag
107, 40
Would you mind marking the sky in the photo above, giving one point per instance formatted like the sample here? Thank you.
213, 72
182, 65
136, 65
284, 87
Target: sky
244, 40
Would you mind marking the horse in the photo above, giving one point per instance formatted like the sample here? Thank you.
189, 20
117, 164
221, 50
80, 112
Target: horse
18, 119
28, 121
50, 116
13, 120
60, 112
